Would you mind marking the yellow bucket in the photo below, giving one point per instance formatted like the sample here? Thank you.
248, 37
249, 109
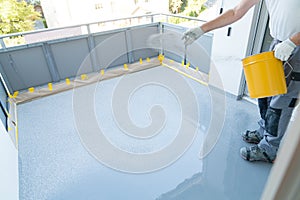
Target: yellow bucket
264, 75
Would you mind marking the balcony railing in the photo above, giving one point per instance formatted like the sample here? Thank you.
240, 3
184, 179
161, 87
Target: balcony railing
52, 55
29, 37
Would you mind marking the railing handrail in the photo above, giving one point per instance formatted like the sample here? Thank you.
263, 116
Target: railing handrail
96, 22
182, 16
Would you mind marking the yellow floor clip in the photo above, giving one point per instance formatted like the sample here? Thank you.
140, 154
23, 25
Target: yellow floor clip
31, 89
148, 59
187, 65
141, 61
16, 93
50, 87
197, 69
161, 58
125, 66
102, 72
182, 63
83, 77
68, 82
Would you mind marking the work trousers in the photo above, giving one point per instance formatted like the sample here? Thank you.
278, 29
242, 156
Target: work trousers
276, 111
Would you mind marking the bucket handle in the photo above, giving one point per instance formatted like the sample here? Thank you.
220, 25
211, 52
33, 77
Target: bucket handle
287, 62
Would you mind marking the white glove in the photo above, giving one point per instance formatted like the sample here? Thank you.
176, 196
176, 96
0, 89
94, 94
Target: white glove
191, 35
284, 50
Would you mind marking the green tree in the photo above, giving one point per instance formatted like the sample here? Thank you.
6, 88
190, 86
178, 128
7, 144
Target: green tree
177, 6
174, 6
190, 8
195, 7
16, 16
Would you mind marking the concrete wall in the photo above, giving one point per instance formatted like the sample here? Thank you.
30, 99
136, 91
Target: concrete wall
9, 175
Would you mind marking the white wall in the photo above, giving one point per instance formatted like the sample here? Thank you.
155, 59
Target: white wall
9, 175
284, 178
56, 13
227, 52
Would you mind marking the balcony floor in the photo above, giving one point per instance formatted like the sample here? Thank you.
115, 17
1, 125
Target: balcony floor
55, 165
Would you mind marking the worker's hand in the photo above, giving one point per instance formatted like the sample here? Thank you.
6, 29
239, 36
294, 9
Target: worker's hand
191, 35
284, 50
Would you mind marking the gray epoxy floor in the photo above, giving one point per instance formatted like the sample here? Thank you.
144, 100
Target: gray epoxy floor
54, 164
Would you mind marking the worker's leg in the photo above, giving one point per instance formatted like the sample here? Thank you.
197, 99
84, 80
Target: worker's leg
277, 119
277, 116
254, 136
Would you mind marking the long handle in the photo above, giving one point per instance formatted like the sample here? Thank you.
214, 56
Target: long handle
184, 58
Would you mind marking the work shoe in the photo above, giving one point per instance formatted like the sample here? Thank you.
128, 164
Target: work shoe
252, 137
254, 153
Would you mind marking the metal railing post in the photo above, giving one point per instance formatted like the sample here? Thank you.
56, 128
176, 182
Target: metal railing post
2, 43
50, 62
91, 45
128, 40
161, 31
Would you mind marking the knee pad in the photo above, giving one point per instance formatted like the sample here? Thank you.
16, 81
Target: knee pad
272, 121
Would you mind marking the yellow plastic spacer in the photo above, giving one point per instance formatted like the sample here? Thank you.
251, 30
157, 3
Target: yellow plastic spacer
102, 72
182, 63
50, 87
16, 93
31, 89
161, 58
187, 65
9, 128
148, 59
83, 77
68, 82
125, 66
197, 69
141, 61
171, 61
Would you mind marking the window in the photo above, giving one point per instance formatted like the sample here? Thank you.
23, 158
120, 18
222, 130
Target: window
98, 6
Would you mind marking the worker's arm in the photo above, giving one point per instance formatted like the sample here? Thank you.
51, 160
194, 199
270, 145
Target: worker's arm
226, 18
296, 39
230, 16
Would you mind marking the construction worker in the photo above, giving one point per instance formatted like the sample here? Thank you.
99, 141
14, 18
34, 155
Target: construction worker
275, 111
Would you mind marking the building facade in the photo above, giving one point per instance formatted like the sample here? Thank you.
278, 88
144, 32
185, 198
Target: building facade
69, 12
